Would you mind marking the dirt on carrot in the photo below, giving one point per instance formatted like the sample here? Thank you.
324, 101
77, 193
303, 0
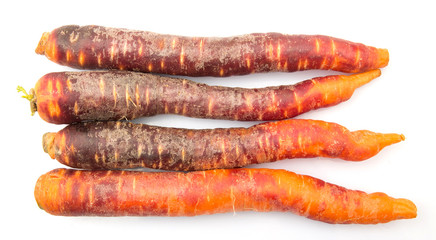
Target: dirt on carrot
68, 97
121, 145
97, 47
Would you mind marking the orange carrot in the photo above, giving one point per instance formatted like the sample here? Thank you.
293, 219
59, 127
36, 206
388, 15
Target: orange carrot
115, 145
69, 192
68, 97
96, 47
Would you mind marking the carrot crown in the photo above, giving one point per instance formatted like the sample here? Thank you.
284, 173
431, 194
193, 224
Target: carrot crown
29, 96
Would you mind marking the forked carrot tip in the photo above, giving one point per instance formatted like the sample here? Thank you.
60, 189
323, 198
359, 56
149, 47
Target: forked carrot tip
40, 49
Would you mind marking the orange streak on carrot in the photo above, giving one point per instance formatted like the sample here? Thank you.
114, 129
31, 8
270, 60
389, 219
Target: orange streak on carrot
201, 45
334, 54
81, 58
356, 62
68, 55
150, 67
76, 108
323, 64
125, 48
101, 85
147, 96
273, 106
335, 63
69, 86
259, 141
51, 50
139, 150
299, 64
114, 93
99, 59
182, 56
116, 155
210, 105
72, 149
298, 102
317, 45
137, 94
50, 87
112, 51
247, 60
127, 97
221, 72
305, 63
140, 49
160, 150
173, 43
224, 151
183, 154
248, 102
166, 108
91, 199
53, 109
58, 88
270, 50
162, 64
103, 158
184, 109
67, 159
62, 143
278, 52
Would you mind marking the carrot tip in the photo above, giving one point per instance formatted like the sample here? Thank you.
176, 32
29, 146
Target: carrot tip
48, 144
40, 49
383, 57
360, 79
404, 208
402, 137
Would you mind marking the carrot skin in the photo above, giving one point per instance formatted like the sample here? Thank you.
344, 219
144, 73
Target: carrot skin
123, 145
68, 192
68, 97
97, 47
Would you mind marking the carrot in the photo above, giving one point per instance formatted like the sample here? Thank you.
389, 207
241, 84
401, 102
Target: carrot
97, 47
122, 145
70, 192
67, 97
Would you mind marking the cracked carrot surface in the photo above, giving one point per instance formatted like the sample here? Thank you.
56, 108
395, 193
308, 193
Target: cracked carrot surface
130, 193
121, 145
67, 97
97, 47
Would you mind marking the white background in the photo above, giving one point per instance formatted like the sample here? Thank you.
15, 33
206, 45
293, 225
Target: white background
401, 100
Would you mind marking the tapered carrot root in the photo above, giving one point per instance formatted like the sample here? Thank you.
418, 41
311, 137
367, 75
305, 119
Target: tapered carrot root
96, 47
121, 145
68, 97
128, 193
